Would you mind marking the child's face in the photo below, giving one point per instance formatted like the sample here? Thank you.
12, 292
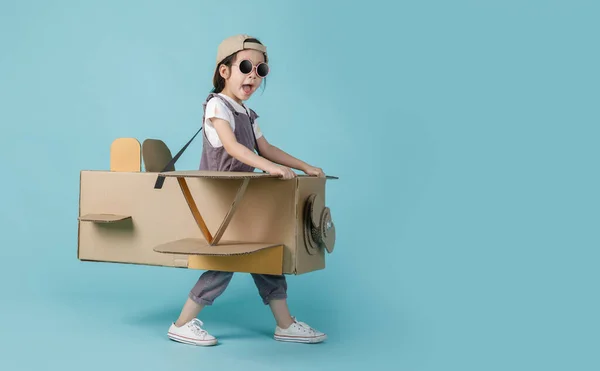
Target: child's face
241, 85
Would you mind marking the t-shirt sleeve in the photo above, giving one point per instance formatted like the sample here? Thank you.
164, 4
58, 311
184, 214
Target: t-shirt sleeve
216, 109
257, 132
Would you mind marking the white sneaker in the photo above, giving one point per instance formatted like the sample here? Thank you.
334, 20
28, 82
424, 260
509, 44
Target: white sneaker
191, 333
299, 332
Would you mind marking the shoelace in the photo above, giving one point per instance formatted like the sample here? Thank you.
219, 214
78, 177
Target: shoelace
196, 327
304, 325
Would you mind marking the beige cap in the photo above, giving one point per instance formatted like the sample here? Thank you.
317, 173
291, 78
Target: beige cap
234, 44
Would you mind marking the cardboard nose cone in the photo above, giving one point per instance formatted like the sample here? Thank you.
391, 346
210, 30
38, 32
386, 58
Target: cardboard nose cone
319, 230
327, 230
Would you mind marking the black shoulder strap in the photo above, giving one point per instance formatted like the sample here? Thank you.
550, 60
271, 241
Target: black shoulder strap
252, 127
251, 117
161, 179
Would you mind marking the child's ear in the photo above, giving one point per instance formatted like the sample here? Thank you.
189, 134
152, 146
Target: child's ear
224, 71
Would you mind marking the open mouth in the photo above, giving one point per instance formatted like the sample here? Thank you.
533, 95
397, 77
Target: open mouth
247, 88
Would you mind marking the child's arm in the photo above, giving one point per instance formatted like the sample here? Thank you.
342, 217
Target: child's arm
278, 156
243, 154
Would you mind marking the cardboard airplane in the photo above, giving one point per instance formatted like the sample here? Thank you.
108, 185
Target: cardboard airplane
163, 217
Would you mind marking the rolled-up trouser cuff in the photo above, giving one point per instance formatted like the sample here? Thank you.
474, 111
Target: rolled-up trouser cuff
210, 286
270, 286
267, 299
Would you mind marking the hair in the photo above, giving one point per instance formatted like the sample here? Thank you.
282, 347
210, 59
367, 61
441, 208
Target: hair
219, 81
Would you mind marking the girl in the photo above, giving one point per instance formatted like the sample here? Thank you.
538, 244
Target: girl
230, 136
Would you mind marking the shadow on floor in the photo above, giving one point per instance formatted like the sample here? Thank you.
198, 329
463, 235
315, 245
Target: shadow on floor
238, 317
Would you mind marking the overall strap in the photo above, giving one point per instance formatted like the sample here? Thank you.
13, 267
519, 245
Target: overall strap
250, 116
226, 103
236, 113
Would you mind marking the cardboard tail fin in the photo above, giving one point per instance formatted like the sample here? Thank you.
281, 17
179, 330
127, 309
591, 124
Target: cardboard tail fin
125, 155
157, 156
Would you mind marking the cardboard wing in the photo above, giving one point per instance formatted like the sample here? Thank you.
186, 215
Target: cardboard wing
209, 220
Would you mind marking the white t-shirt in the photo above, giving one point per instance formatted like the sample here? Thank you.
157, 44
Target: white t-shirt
216, 108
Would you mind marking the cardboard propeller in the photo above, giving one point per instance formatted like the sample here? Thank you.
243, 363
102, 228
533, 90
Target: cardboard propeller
319, 230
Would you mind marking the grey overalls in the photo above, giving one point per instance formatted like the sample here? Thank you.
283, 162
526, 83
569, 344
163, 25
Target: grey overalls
211, 284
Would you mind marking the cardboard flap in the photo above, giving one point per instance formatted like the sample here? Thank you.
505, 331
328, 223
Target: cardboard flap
227, 174
197, 246
216, 174
312, 176
103, 218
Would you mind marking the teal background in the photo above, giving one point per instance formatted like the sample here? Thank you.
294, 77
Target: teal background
465, 135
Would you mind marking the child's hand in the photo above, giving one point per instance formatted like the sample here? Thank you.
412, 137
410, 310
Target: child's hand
283, 171
311, 170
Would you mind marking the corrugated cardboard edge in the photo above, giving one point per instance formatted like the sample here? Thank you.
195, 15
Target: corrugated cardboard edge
177, 263
104, 218
295, 251
78, 214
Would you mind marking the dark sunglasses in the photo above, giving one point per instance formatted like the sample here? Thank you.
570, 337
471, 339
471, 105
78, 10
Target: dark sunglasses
246, 66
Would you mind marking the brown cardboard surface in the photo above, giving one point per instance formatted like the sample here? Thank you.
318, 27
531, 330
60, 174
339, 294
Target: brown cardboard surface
189, 198
131, 241
159, 216
236, 201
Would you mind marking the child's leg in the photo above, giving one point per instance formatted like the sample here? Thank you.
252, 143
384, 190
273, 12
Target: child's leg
188, 329
273, 291
281, 312
190, 310
210, 286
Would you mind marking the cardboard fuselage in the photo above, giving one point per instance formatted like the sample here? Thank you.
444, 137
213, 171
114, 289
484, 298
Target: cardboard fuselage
123, 218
